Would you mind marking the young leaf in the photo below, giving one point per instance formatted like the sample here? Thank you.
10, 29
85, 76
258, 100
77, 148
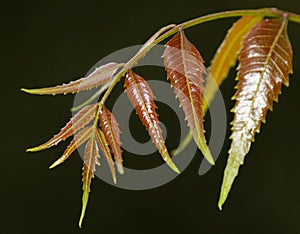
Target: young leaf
110, 128
265, 63
141, 97
185, 68
79, 121
223, 60
102, 142
100, 76
91, 156
226, 55
81, 137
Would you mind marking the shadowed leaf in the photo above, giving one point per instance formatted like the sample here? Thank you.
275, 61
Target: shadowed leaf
79, 121
265, 63
110, 128
100, 76
141, 97
185, 70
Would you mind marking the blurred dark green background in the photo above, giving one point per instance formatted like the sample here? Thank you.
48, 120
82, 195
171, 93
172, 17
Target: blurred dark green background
51, 42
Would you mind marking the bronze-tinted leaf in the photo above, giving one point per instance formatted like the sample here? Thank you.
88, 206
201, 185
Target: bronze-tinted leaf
110, 128
79, 121
91, 156
185, 70
265, 63
100, 76
141, 97
102, 142
81, 137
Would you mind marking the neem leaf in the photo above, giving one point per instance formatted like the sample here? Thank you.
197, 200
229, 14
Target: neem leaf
265, 63
142, 99
185, 70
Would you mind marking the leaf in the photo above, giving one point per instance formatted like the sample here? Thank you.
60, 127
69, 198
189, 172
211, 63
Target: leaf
223, 60
100, 76
91, 156
141, 97
185, 69
102, 142
226, 55
110, 128
81, 137
79, 121
265, 63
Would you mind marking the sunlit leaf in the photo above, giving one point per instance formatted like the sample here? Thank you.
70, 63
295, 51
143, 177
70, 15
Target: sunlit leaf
265, 63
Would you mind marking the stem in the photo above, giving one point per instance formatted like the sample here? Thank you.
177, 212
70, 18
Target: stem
266, 12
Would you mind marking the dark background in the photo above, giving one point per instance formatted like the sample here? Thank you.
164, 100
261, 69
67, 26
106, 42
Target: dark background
50, 42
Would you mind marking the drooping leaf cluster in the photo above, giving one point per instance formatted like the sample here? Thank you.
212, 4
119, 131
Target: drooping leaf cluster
265, 56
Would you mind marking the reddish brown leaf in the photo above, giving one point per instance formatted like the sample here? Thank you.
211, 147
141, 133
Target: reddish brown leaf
81, 137
79, 121
91, 156
265, 63
102, 142
110, 128
141, 97
100, 76
185, 69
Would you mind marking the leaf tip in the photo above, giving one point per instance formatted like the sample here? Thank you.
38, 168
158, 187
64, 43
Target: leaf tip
206, 153
114, 179
120, 168
172, 165
85, 198
30, 91
34, 149
54, 164
220, 203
